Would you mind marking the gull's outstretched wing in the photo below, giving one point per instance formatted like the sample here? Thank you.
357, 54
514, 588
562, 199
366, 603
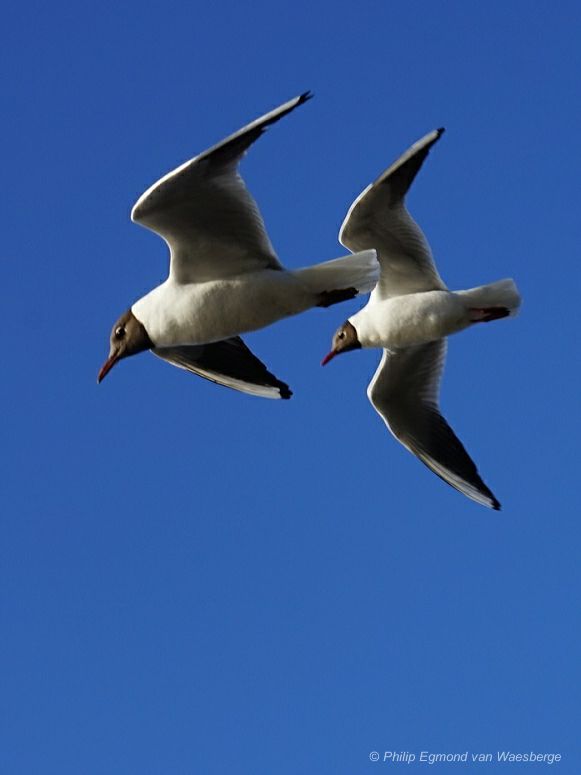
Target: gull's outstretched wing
228, 363
378, 219
206, 214
404, 391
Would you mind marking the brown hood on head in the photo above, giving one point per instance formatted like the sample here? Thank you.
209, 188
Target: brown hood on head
128, 337
345, 339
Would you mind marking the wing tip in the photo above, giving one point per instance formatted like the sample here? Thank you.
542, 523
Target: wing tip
284, 391
482, 494
431, 138
488, 498
292, 104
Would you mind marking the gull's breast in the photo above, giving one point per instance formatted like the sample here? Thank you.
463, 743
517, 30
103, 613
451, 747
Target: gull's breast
200, 313
416, 318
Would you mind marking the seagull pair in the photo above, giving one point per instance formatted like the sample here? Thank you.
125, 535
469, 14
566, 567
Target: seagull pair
225, 280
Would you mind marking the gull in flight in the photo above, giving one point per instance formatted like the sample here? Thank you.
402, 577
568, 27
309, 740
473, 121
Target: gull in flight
224, 276
409, 314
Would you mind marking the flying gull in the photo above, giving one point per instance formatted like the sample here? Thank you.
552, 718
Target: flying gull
409, 314
224, 276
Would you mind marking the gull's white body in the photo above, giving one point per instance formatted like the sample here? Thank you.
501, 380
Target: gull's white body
409, 315
416, 318
200, 313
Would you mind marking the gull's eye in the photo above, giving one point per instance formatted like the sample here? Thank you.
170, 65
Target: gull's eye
342, 335
119, 332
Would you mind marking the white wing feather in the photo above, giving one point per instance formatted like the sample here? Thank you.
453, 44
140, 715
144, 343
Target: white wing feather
404, 391
205, 213
378, 219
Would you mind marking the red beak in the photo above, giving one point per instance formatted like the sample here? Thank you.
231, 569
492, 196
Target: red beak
328, 357
107, 366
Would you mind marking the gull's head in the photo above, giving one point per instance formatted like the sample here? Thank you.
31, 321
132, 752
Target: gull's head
128, 337
345, 339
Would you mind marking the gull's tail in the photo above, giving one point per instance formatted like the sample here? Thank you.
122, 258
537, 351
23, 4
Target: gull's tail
502, 294
342, 278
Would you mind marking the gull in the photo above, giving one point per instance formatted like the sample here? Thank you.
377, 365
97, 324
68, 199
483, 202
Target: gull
224, 276
409, 314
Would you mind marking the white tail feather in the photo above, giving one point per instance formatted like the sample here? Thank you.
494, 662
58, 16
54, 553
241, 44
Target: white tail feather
502, 293
360, 270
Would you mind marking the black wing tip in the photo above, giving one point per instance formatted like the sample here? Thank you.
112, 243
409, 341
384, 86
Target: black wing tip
281, 111
493, 503
284, 390
441, 131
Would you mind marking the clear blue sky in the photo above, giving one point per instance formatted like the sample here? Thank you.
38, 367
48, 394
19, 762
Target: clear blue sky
196, 581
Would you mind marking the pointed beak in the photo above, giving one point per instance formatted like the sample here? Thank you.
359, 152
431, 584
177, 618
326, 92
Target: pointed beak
108, 365
328, 357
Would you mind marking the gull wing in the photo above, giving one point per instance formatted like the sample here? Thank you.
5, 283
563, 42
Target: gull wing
404, 391
379, 219
230, 363
205, 213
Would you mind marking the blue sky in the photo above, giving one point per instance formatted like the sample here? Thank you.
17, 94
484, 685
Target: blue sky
198, 581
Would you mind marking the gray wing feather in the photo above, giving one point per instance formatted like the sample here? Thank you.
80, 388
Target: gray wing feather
230, 363
205, 213
378, 219
404, 391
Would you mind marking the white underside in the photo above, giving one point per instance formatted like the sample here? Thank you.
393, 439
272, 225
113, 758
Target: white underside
417, 318
200, 313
